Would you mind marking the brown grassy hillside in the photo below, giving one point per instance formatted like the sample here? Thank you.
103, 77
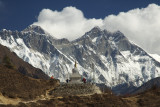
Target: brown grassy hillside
148, 98
15, 85
13, 61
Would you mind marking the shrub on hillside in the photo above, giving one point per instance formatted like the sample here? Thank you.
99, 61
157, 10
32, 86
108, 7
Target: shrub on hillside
7, 62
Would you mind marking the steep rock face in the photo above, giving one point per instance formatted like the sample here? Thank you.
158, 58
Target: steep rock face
36, 48
116, 60
113, 54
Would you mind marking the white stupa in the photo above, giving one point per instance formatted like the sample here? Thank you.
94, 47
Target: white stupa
75, 77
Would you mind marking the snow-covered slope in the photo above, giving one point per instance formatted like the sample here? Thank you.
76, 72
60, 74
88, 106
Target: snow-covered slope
27, 45
116, 60
156, 57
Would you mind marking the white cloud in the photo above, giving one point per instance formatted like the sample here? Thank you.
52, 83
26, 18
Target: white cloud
69, 23
140, 25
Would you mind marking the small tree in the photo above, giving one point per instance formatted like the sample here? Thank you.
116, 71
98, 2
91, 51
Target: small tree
7, 62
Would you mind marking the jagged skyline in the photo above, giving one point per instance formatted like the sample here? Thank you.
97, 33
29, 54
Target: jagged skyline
116, 59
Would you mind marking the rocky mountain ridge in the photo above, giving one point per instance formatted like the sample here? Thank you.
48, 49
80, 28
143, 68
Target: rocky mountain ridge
116, 60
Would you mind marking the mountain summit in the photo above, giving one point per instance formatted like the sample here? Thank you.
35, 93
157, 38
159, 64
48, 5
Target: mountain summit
118, 63
34, 28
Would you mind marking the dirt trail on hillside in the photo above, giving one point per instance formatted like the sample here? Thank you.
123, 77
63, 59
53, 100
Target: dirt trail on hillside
6, 100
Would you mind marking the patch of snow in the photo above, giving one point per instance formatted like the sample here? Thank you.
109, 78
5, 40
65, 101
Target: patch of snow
155, 56
84, 59
94, 40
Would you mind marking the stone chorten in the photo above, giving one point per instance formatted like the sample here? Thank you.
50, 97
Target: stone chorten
75, 77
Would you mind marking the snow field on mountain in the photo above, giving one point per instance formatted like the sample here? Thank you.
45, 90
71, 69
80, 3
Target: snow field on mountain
114, 62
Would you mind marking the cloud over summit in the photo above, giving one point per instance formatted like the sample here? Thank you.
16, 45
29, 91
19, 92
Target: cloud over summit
69, 23
139, 25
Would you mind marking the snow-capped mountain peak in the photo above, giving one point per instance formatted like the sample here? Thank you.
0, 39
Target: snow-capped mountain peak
116, 60
34, 28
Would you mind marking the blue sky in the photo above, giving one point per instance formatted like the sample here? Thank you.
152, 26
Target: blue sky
137, 19
18, 14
